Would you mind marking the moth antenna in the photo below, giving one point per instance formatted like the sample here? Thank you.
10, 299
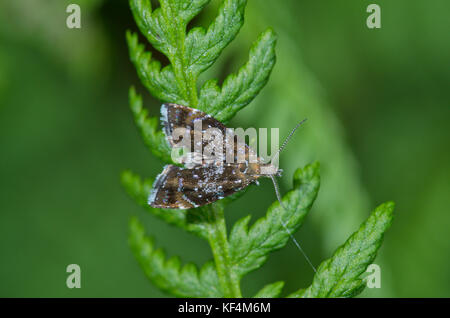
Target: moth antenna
287, 139
277, 192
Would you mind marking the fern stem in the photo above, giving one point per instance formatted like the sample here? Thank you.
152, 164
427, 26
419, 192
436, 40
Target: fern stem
217, 237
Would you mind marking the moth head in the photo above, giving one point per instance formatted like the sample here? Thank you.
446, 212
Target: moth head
268, 170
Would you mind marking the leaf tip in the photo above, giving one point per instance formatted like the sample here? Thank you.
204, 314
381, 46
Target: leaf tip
135, 100
135, 226
390, 205
125, 176
270, 33
309, 173
386, 209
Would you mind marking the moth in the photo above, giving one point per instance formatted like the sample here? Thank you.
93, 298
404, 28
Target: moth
211, 176
204, 178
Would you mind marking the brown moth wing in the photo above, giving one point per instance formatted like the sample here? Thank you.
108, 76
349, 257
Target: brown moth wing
182, 188
175, 116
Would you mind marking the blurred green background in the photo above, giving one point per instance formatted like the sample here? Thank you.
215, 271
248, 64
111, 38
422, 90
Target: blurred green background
378, 104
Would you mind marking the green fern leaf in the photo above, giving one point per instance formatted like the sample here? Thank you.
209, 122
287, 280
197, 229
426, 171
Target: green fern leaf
189, 54
191, 220
240, 89
153, 138
169, 275
202, 48
339, 276
251, 247
270, 291
160, 83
